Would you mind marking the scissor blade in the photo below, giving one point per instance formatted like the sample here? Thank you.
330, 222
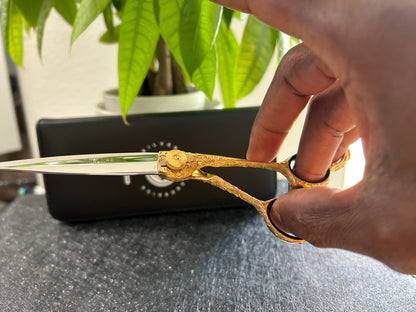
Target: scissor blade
93, 164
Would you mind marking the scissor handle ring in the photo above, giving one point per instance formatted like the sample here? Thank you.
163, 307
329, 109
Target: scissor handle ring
291, 237
291, 162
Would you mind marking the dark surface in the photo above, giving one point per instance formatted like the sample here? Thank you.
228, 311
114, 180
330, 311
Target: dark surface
219, 260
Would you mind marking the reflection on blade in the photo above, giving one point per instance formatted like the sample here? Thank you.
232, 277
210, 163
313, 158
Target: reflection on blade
97, 164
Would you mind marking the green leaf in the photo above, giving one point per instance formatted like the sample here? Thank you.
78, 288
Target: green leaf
118, 4
204, 76
30, 9
67, 9
26, 26
156, 10
198, 27
113, 37
4, 10
139, 34
108, 18
169, 16
12, 30
227, 16
44, 13
227, 51
87, 13
256, 50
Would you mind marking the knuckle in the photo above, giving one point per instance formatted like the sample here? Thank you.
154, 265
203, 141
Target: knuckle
314, 227
333, 130
271, 129
303, 72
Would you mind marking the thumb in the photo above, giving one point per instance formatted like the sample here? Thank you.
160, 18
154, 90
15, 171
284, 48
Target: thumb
322, 216
364, 219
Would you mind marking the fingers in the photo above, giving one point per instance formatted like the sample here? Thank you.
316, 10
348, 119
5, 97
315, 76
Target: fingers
349, 138
323, 216
239, 5
299, 75
368, 219
296, 18
328, 120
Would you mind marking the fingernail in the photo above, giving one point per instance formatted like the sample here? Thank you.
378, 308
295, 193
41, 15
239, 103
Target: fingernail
277, 219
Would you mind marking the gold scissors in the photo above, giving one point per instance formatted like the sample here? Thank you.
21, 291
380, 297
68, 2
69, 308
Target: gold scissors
174, 165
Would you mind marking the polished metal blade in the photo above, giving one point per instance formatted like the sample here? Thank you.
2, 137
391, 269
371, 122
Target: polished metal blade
93, 164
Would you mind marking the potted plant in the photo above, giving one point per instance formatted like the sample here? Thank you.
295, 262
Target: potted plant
164, 46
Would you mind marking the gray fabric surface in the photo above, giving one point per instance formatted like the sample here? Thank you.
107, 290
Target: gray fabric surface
2, 205
222, 260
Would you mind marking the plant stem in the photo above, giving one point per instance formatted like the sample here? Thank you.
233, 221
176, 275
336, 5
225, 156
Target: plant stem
178, 79
163, 80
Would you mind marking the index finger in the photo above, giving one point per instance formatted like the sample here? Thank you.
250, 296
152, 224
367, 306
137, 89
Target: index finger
299, 75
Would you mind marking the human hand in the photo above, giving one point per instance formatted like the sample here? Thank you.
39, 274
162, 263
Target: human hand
358, 61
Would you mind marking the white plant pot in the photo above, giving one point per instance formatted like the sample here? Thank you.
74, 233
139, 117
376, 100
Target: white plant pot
194, 100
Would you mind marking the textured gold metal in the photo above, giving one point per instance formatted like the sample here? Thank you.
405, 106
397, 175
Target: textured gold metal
177, 166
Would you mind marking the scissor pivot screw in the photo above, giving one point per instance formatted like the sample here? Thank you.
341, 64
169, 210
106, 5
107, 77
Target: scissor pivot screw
176, 160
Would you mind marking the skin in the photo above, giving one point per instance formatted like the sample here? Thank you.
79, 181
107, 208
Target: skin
356, 70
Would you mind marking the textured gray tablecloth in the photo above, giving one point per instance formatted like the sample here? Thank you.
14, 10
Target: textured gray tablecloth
222, 260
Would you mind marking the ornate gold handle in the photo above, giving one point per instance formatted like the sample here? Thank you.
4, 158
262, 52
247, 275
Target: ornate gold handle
177, 165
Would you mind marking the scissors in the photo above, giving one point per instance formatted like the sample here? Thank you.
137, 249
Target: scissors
174, 165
